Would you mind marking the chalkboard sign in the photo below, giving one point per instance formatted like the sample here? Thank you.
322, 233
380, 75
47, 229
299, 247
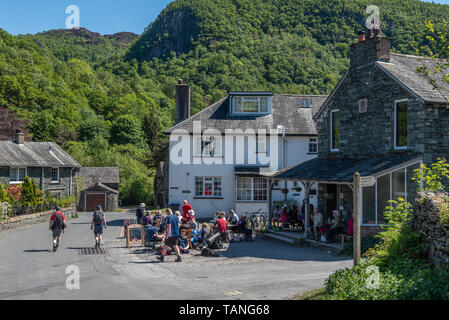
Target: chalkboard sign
135, 235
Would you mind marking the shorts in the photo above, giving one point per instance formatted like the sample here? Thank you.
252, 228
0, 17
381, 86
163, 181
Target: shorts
171, 241
98, 229
56, 232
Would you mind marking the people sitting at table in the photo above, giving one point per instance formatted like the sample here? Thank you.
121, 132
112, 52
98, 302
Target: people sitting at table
243, 229
178, 214
192, 223
186, 207
183, 242
317, 223
284, 215
233, 218
146, 220
276, 216
184, 224
334, 227
221, 224
158, 215
153, 232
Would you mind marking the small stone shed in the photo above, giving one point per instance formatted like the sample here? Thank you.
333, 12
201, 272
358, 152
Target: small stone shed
100, 187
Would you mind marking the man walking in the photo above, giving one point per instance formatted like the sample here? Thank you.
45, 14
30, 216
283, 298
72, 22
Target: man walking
57, 225
173, 236
97, 224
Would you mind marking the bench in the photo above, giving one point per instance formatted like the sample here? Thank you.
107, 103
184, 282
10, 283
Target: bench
345, 238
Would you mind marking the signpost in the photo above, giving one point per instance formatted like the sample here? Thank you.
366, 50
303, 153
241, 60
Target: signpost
368, 181
356, 215
135, 235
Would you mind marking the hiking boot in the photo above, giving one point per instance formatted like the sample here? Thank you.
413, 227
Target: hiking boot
179, 259
161, 258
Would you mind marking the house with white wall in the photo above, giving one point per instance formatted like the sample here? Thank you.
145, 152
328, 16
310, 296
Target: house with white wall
221, 158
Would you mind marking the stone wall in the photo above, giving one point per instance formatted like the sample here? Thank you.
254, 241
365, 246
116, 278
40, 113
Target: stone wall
40, 217
426, 220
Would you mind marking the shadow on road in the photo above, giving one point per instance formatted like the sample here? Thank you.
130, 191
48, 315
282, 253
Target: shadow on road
37, 251
267, 249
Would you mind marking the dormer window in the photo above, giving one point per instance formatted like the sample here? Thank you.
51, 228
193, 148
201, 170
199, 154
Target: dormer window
251, 104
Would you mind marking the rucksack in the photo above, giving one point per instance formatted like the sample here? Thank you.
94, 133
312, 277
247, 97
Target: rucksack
98, 219
59, 222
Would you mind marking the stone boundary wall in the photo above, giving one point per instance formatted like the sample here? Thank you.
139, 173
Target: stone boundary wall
426, 220
35, 218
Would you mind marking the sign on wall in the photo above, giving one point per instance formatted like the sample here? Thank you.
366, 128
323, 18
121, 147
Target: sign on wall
368, 181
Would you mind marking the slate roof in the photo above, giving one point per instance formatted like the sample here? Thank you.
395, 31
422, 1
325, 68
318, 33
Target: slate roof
403, 68
341, 170
94, 175
34, 154
286, 110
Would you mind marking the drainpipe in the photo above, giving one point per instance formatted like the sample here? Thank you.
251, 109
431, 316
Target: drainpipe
284, 163
71, 181
42, 179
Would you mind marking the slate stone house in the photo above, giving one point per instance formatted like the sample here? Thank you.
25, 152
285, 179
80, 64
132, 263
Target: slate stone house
47, 163
100, 186
383, 120
209, 181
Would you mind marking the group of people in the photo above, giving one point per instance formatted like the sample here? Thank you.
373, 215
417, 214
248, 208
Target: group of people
58, 225
174, 229
322, 230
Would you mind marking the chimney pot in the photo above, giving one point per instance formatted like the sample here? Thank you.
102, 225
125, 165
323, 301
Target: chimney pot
361, 36
19, 137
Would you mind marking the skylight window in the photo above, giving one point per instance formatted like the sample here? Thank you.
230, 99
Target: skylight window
305, 103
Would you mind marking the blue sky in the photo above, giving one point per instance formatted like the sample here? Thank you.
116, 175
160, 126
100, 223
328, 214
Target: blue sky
103, 16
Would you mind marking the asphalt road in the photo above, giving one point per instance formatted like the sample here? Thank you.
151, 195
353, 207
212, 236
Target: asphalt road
260, 270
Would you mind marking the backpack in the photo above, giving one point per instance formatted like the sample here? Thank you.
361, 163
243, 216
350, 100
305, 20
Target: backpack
58, 223
98, 219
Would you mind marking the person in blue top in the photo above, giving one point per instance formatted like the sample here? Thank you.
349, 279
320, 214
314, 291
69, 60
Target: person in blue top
173, 234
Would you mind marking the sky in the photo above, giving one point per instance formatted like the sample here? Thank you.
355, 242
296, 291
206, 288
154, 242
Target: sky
103, 16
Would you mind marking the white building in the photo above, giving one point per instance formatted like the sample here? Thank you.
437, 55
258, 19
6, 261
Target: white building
214, 166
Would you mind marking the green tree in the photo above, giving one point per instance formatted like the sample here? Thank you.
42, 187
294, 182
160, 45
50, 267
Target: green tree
91, 128
128, 130
31, 194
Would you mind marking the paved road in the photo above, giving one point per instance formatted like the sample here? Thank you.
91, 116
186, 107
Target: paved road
260, 270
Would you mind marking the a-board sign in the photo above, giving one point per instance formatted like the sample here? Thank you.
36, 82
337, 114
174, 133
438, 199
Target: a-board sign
368, 181
135, 235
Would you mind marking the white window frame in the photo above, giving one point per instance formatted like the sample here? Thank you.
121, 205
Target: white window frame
17, 175
216, 149
59, 177
396, 147
391, 192
213, 187
261, 146
331, 135
313, 143
258, 98
252, 189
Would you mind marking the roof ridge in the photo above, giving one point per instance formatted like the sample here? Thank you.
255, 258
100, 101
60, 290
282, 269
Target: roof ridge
414, 56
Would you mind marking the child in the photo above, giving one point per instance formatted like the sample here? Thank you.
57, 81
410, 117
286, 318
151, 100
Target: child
183, 242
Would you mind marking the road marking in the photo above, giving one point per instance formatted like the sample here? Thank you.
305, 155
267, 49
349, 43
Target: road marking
122, 232
233, 293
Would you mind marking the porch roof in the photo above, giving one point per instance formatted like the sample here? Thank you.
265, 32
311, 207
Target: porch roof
342, 170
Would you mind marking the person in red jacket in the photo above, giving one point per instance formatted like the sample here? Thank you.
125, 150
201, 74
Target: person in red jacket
57, 225
185, 210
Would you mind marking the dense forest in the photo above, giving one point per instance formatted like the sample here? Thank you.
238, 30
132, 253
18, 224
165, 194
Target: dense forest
108, 99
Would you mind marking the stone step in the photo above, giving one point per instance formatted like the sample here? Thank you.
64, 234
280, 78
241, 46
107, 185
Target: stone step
328, 246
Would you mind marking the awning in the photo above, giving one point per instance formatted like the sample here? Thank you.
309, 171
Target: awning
342, 170
250, 171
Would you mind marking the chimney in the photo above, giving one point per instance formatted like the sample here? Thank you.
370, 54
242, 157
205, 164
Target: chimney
182, 102
372, 48
19, 137
361, 36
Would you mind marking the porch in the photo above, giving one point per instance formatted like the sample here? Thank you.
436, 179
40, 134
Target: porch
383, 179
